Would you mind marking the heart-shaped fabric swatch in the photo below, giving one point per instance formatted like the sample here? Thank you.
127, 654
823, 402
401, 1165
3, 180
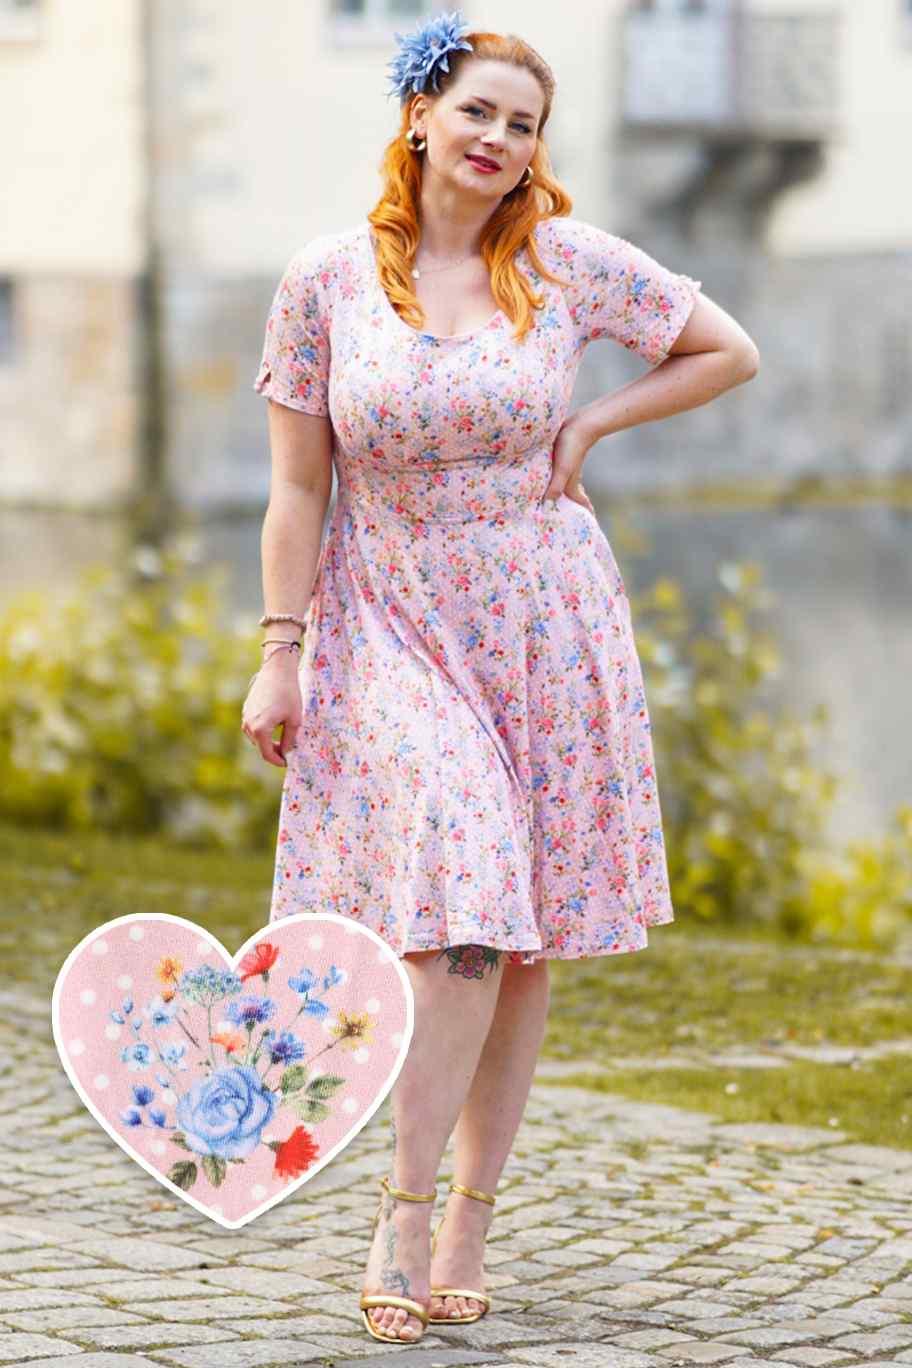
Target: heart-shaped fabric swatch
232, 1080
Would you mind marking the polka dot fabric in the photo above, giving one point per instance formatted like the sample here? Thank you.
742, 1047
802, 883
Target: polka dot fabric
474, 763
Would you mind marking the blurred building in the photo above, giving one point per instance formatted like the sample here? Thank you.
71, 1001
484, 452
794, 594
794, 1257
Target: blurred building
162, 161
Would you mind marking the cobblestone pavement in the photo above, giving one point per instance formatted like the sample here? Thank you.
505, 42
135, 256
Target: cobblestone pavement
625, 1235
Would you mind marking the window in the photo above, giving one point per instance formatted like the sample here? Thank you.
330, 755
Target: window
380, 11
676, 7
6, 320
376, 20
19, 19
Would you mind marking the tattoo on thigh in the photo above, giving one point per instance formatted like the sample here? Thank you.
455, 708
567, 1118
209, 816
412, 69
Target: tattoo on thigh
471, 961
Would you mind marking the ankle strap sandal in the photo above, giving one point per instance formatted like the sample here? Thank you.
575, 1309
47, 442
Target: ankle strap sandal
368, 1300
461, 1291
473, 1192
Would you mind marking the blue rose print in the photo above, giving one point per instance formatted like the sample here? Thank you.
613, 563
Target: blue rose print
223, 1115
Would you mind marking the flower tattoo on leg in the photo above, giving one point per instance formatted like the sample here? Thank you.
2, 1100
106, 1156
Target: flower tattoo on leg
471, 961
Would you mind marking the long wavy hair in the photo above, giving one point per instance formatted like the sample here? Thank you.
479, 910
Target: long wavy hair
395, 216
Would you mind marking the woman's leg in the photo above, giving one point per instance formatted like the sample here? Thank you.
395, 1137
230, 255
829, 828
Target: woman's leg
454, 1008
487, 1125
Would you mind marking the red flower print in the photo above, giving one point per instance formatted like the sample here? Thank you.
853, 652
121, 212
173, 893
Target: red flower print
258, 961
296, 1154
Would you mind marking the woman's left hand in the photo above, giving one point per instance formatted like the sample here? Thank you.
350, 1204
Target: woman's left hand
568, 454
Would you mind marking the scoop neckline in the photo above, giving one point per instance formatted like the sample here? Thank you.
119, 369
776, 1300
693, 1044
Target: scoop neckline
432, 337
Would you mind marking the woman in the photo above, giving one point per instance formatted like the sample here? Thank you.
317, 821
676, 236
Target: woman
469, 764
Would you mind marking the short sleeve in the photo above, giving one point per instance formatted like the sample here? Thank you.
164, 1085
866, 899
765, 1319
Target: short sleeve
620, 292
294, 369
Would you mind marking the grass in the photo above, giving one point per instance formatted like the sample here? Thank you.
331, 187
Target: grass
692, 988
870, 1105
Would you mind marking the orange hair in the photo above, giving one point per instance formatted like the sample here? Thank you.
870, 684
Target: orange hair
510, 227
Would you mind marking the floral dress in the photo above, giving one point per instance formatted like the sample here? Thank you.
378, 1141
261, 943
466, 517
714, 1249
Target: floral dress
474, 763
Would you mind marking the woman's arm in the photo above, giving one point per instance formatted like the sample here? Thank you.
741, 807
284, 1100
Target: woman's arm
711, 354
300, 489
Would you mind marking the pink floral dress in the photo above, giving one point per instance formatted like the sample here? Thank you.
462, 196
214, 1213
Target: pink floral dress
474, 764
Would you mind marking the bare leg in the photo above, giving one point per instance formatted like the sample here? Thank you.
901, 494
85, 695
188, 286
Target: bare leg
455, 997
486, 1128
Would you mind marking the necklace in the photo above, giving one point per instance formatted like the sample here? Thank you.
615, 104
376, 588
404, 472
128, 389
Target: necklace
418, 274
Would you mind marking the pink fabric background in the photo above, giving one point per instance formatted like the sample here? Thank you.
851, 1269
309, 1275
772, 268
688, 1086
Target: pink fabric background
119, 961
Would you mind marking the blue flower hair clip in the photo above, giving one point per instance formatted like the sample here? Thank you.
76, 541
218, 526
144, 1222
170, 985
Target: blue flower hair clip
423, 53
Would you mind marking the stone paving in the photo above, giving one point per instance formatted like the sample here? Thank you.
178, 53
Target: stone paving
626, 1235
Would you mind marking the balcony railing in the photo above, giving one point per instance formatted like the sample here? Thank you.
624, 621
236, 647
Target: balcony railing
725, 71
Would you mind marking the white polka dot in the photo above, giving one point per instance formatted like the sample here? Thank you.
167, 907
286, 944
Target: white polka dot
77, 1047
361, 1055
112, 1031
350, 1105
396, 1039
158, 1147
372, 1005
87, 997
258, 1191
168, 1097
266, 1137
136, 933
315, 942
101, 1081
99, 947
125, 981
203, 948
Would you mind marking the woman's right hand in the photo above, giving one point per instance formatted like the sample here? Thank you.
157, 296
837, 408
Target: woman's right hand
273, 700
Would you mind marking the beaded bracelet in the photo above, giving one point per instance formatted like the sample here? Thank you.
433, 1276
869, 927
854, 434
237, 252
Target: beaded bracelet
283, 617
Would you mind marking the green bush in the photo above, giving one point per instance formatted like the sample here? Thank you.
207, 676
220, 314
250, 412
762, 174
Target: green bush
744, 807
864, 896
120, 710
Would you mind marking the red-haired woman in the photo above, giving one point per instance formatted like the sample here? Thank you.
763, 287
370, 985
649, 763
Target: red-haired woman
469, 768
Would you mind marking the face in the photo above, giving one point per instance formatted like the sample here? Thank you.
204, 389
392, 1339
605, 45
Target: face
491, 111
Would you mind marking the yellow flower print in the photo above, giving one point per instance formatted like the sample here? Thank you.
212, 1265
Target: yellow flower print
354, 1030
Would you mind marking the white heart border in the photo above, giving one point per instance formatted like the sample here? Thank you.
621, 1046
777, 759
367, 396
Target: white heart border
350, 925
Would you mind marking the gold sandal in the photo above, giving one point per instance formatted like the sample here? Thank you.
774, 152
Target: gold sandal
387, 1298
461, 1291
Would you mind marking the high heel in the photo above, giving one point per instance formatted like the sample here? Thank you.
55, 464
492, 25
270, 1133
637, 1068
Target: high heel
461, 1291
388, 1298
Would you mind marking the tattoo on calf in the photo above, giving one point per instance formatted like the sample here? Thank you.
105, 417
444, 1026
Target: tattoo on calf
470, 961
392, 1278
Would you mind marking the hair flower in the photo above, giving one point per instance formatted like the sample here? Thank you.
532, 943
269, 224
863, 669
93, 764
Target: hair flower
424, 53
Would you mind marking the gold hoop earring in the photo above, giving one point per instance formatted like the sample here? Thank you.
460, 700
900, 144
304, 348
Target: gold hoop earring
527, 178
410, 139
